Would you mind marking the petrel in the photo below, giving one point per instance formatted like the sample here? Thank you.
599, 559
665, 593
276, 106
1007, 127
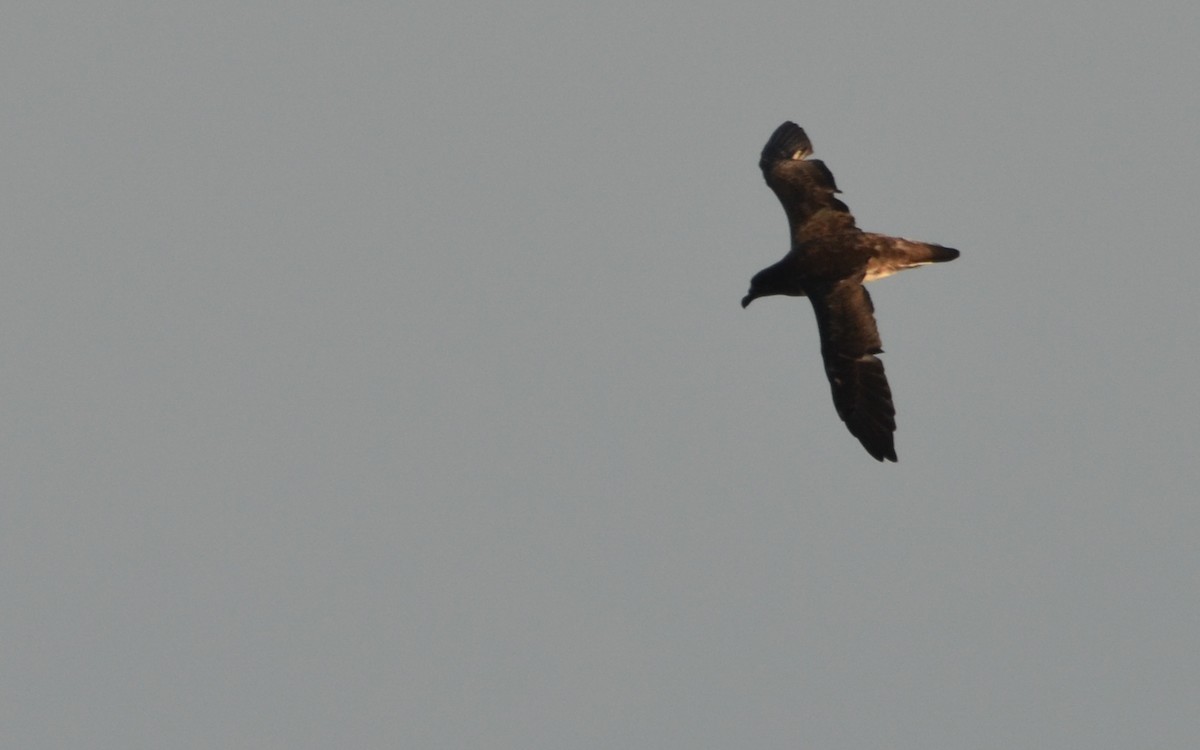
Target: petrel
829, 262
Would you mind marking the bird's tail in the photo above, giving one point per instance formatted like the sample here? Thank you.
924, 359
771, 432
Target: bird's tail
904, 252
892, 254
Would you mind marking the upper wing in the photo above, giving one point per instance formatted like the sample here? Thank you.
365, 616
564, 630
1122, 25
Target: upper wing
805, 188
849, 343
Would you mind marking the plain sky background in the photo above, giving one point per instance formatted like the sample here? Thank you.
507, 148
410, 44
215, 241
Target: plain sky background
374, 377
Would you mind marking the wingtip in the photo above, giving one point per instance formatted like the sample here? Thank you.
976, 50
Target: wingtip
881, 451
877, 433
788, 142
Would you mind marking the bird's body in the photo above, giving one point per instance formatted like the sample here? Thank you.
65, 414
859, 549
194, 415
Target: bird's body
829, 261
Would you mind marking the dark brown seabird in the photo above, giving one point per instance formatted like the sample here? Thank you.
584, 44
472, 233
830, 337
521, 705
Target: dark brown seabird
829, 262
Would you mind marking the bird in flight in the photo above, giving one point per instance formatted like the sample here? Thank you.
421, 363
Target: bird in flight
829, 262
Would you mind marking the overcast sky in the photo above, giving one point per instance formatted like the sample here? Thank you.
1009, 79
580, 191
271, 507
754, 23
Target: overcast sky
374, 377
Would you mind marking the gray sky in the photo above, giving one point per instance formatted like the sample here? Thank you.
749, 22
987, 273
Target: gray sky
376, 378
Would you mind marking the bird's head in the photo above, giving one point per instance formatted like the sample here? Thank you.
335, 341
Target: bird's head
760, 286
772, 280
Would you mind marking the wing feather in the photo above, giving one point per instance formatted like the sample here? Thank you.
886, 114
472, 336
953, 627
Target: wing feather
849, 343
805, 187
